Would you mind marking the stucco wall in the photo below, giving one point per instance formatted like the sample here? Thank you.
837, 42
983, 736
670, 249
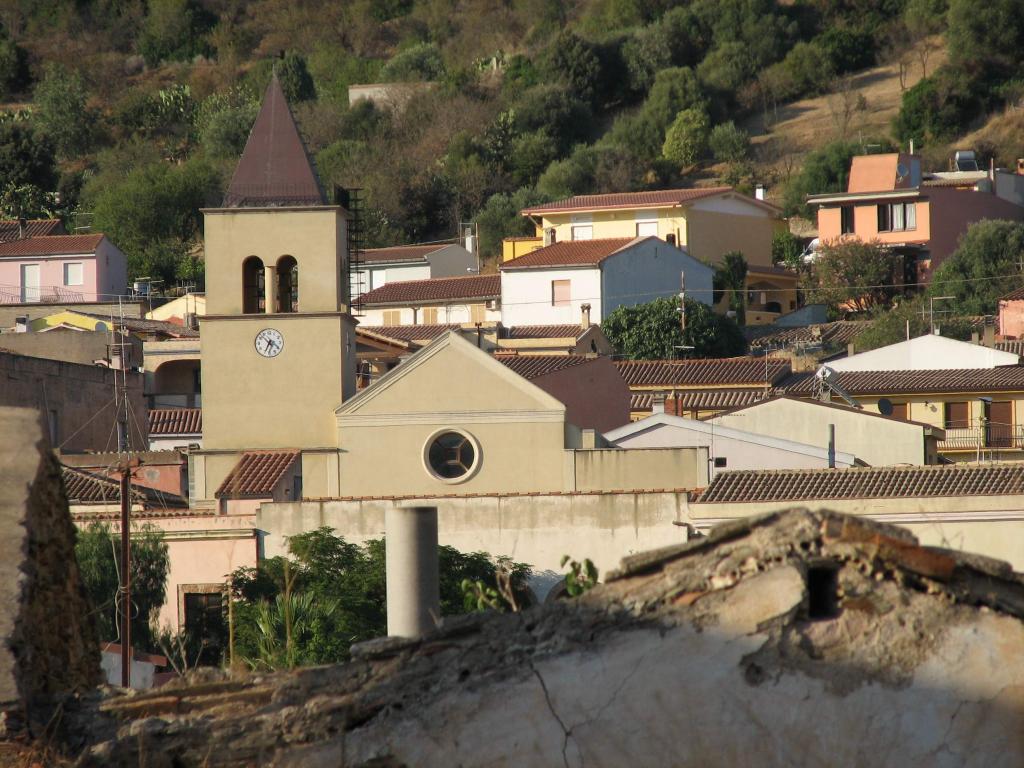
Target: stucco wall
713, 232
250, 401
650, 270
526, 296
537, 530
876, 441
315, 237
1011, 319
953, 211
447, 314
595, 394
639, 469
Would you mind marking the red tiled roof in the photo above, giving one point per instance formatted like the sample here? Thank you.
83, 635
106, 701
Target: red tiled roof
568, 331
535, 366
400, 252
88, 488
1008, 378
146, 326
9, 230
51, 245
734, 371
1016, 346
1016, 295
702, 400
256, 474
437, 289
176, 421
839, 332
786, 485
416, 333
661, 198
570, 253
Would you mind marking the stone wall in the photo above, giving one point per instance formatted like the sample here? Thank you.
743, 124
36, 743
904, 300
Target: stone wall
48, 647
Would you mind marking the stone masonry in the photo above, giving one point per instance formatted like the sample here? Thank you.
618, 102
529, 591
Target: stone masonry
794, 638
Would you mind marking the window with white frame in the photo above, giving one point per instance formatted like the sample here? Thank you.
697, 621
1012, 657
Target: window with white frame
73, 273
582, 231
560, 294
647, 225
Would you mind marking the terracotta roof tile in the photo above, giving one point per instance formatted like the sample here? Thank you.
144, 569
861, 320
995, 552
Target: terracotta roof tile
400, 252
569, 253
655, 199
535, 366
1008, 378
145, 325
88, 488
51, 245
176, 421
732, 371
786, 485
437, 289
567, 331
840, 332
1016, 295
9, 230
415, 333
702, 400
256, 474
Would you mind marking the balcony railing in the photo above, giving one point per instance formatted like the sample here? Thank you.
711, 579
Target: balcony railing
1008, 436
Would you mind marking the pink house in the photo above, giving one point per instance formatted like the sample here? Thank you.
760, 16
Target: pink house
61, 268
918, 216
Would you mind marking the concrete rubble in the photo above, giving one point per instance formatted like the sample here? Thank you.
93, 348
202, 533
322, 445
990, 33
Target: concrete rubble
794, 638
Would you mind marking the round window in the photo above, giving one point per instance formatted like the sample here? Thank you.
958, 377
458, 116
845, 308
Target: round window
452, 456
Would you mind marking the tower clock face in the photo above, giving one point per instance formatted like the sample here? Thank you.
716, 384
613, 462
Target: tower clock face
269, 342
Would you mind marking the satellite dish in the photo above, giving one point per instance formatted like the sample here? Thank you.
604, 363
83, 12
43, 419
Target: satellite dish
901, 171
885, 406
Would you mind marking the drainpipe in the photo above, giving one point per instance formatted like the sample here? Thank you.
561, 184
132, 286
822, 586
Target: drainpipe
411, 568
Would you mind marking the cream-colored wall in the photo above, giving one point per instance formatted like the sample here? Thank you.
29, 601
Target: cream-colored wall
875, 441
621, 223
986, 525
713, 234
315, 237
189, 304
287, 401
641, 468
537, 530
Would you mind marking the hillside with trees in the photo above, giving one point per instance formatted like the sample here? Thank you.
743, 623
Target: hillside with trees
128, 115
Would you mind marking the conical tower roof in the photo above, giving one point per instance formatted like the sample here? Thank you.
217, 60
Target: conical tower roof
275, 169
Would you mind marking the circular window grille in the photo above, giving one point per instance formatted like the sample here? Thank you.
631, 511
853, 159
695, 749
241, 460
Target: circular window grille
451, 455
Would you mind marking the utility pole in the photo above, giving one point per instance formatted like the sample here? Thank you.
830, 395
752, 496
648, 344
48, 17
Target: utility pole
682, 303
125, 587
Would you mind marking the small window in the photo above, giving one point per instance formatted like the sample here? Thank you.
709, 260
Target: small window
253, 291
583, 232
452, 456
430, 316
720, 462
911, 215
392, 317
956, 415
560, 293
73, 273
885, 218
287, 284
647, 228
898, 220
900, 411
846, 219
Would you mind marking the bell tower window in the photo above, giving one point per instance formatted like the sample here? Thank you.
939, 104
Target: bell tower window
288, 284
253, 294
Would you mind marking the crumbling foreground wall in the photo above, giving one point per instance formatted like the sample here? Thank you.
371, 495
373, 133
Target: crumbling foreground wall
48, 648
793, 639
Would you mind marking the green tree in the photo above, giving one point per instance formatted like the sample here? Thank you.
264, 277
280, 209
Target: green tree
940, 106
985, 265
731, 276
652, 331
574, 60
824, 170
26, 154
500, 218
310, 607
98, 554
62, 111
985, 35
296, 82
420, 62
13, 66
890, 325
226, 130
728, 143
152, 214
174, 30
786, 249
853, 275
686, 140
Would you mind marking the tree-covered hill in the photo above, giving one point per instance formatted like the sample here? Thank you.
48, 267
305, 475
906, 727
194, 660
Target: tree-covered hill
136, 111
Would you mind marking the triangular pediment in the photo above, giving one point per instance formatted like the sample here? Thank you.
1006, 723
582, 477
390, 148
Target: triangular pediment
450, 375
275, 169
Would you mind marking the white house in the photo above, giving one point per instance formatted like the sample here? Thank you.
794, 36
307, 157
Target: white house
439, 300
378, 266
926, 353
728, 448
551, 284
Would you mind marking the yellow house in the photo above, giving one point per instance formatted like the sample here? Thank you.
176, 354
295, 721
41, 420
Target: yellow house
707, 222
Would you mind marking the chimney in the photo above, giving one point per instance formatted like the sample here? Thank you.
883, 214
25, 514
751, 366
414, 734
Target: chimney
411, 570
850, 350
831, 446
759, 192
21, 227
988, 334
659, 403
549, 236
21, 324
588, 439
584, 316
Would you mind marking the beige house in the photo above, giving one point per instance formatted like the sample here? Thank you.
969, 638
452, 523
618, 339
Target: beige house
433, 301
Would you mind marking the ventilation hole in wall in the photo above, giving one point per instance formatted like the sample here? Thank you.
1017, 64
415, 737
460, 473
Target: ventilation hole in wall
822, 592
